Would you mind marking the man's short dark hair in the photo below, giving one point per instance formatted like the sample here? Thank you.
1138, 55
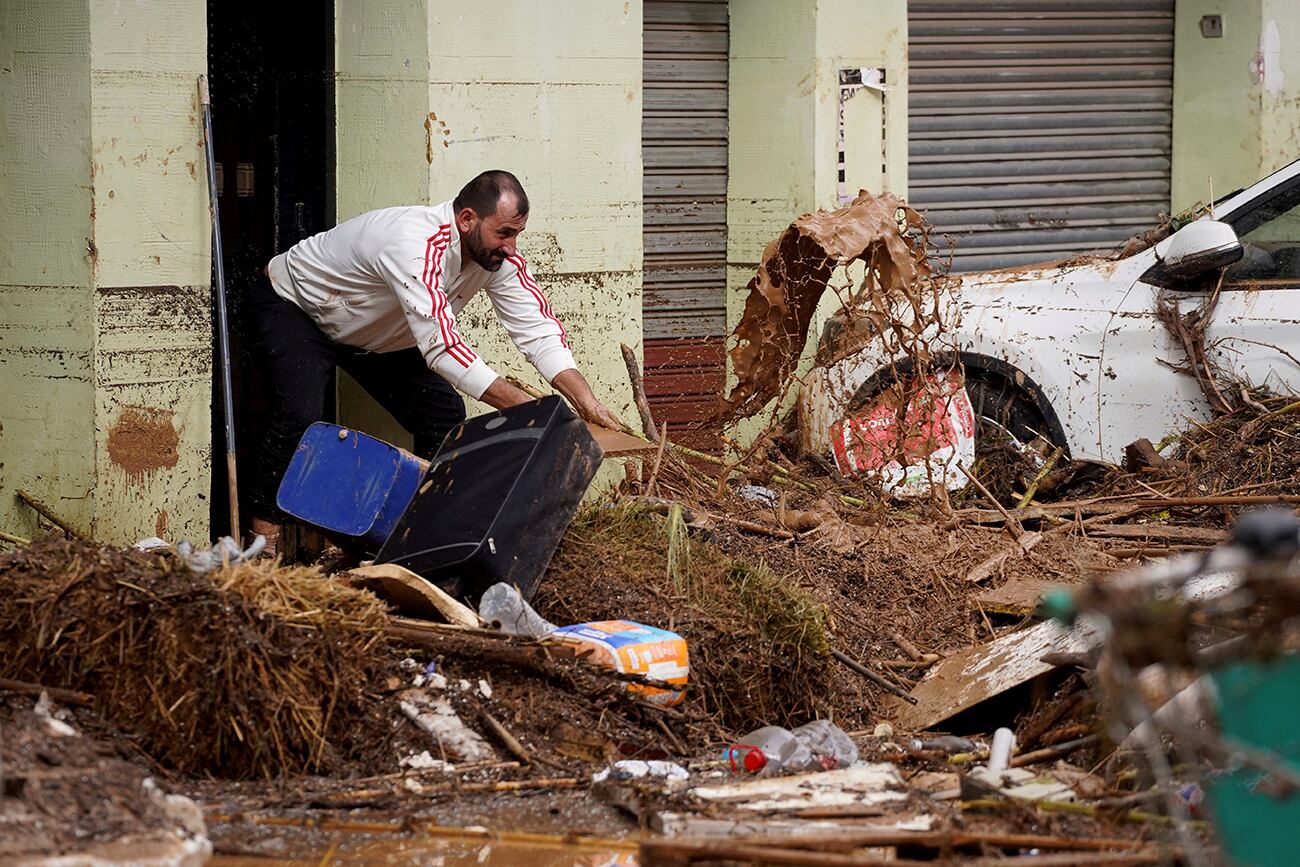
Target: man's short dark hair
485, 191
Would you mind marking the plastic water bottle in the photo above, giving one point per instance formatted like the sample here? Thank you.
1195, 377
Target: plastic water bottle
503, 608
819, 745
769, 750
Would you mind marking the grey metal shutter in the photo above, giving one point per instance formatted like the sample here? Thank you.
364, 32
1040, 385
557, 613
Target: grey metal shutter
1038, 129
684, 149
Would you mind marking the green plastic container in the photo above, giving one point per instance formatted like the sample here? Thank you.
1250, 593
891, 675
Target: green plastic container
1259, 705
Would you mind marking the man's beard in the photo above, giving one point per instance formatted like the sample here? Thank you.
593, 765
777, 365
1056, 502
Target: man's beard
478, 251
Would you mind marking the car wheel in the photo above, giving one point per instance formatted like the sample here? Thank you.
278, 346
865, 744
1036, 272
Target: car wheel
1001, 407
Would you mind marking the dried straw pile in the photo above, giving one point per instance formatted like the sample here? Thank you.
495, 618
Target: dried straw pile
258, 671
758, 644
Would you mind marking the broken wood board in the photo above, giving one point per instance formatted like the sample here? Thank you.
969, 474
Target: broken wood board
861, 785
617, 444
961, 681
989, 567
964, 679
675, 824
412, 595
1160, 533
1018, 596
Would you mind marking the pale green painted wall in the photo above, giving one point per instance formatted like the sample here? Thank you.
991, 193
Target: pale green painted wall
1236, 98
1280, 100
153, 359
782, 111
104, 266
550, 91
46, 310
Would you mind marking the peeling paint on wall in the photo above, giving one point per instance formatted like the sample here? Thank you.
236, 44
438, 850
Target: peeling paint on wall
1269, 59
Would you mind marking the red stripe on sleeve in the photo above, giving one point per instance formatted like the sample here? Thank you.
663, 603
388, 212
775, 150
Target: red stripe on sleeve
527, 281
434, 250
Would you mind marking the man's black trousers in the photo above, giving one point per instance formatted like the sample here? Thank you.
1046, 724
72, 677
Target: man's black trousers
296, 360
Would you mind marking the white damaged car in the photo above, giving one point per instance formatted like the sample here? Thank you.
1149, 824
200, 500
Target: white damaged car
1075, 351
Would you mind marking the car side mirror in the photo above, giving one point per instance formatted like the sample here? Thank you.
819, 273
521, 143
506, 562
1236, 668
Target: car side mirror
1193, 250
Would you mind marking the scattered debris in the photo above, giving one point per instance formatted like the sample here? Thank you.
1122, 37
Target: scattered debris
810, 600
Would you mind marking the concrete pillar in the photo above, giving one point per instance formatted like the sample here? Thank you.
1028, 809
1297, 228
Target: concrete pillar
152, 276
1236, 96
104, 267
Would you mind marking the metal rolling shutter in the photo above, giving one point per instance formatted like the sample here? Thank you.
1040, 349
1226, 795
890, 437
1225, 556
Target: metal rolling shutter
1039, 129
684, 148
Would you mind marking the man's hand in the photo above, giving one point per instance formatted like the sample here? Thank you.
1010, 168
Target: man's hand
577, 392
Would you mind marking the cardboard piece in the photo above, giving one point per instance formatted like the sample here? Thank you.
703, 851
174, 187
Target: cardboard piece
413, 596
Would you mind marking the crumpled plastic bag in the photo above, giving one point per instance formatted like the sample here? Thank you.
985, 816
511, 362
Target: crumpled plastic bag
204, 560
674, 776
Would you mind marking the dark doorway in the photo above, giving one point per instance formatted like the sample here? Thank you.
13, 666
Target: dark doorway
273, 126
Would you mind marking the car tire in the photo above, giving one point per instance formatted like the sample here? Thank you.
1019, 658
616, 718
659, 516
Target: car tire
1000, 401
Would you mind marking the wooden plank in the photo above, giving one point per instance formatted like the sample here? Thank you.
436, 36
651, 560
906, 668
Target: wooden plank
963, 680
860, 785
1160, 533
618, 444
1018, 596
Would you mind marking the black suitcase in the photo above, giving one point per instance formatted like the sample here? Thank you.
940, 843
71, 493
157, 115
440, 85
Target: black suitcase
496, 500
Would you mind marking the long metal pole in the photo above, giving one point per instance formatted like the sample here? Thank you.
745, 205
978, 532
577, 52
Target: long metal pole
223, 323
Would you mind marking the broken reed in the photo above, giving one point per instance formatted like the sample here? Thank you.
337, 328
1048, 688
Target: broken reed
257, 672
758, 643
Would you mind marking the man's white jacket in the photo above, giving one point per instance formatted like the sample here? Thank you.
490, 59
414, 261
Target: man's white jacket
394, 278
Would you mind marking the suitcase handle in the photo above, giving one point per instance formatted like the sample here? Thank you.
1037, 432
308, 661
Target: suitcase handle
531, 433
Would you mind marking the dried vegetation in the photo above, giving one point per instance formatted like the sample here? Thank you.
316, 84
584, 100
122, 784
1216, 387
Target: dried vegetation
262, 672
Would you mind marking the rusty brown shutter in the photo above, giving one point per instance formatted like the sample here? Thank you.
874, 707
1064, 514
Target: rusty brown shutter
1039, 129
684, 149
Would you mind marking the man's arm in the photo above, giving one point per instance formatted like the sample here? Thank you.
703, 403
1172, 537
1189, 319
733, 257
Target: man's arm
577, 392
502, 395
537, 333
570, 383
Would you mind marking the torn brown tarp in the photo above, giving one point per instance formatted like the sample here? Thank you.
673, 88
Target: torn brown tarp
793, 274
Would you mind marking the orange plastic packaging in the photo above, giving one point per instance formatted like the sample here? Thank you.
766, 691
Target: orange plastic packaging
634, 648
